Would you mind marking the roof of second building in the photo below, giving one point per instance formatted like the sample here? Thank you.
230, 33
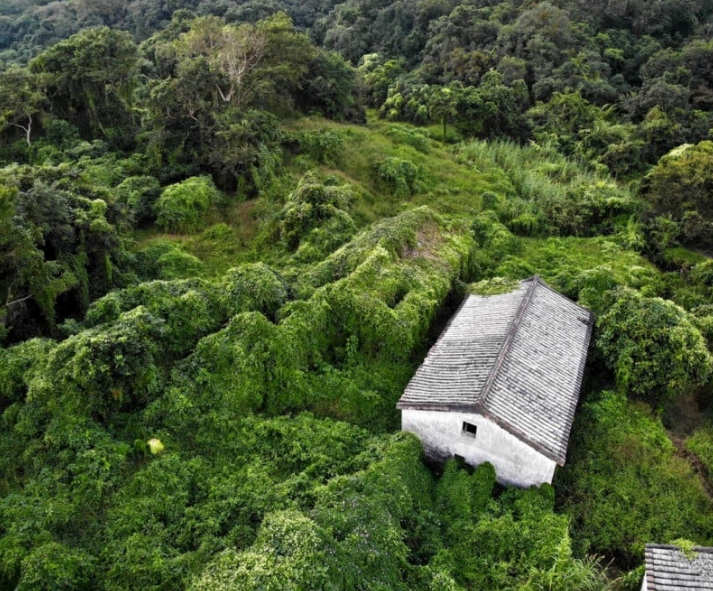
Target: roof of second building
517, 358
669, 569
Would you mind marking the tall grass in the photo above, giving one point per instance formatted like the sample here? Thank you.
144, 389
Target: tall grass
548, 193
536, 173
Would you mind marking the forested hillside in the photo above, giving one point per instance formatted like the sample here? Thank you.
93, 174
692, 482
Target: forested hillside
230, 231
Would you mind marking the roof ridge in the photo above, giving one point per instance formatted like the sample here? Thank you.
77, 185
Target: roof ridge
700, 549
509, 338
553, 290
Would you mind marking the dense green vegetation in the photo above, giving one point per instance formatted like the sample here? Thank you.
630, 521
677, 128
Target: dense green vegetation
229, 232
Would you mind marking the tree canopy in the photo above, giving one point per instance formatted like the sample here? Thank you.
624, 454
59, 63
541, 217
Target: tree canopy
231, 231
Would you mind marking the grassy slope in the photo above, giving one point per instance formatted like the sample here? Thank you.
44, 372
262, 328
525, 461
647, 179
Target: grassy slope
445, 185
452, 183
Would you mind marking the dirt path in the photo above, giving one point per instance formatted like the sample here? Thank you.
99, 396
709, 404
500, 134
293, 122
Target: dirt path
681, 419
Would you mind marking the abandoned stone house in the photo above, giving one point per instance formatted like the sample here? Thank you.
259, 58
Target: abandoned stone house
502, 382
668, 568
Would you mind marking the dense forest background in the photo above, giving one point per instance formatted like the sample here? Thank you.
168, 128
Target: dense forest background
230, 231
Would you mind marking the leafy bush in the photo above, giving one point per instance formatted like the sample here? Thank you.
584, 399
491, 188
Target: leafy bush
105, 369
412, 136
680, 185
190, 309
323, 146
495, 240
398, 175
178, 264
17, 365
703, 319
291, 552
253, 287
312, 205
392, 294
149, 524
461, 498
182, 207
326, 238
250, 365
387, 500
703, 273
139, 194
701, 444
398, 235
517, 542
653, 347
54, 566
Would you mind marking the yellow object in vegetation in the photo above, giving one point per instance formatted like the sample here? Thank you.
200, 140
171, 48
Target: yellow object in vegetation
155, 446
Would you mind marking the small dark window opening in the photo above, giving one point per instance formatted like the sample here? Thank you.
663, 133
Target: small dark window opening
469, 429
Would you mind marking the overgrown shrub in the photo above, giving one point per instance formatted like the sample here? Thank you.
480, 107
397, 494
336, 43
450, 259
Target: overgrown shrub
413, 136
652, 346
139, 194
495, 240
17, 364
182, 207
253, 287
702, 273
702, 316
701, 444
104, 370
680, 186
517, 542
178, 264
165, 259
625, 485
323, 146
250, 365
393, 289
399, 176
314, 204
55, 566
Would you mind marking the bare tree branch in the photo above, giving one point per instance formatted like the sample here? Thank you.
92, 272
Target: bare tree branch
10, 302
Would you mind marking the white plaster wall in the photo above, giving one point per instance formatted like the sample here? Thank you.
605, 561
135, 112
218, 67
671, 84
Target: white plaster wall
644, 586
441, 433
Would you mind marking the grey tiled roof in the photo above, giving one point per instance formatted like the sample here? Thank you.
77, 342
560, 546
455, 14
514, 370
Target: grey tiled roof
516, 358
669, 569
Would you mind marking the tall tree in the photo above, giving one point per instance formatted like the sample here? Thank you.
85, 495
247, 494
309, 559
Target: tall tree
89, 79
21, 101
233, 52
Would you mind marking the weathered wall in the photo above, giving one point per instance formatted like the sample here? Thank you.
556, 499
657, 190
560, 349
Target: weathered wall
441, 433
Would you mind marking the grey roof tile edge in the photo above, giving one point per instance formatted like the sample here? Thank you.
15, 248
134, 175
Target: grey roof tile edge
543, 284
650, 561
451, 407
571, 411
699, 549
